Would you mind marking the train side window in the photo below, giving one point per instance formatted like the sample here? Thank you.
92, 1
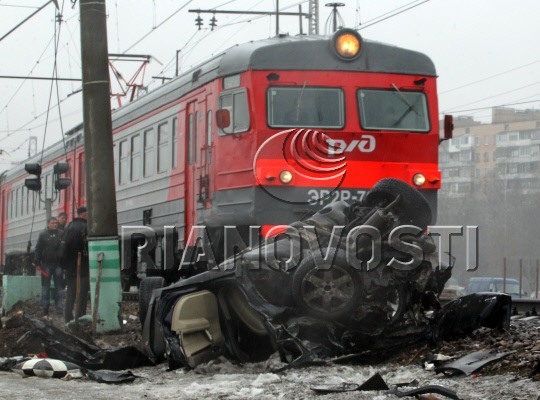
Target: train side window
32, 202
28, 195
67, 192
22, 201
48, 186
17, 202
148, 162
82, 180
174, 153
124, 154
163, 147
237, 104
135, 157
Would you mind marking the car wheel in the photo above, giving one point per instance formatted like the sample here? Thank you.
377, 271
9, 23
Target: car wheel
146, 288
414, 208
326, 288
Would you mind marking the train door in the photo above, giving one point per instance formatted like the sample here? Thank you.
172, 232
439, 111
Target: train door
206, 161
191, 166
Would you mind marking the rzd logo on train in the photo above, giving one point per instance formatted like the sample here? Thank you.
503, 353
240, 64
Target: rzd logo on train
366, 144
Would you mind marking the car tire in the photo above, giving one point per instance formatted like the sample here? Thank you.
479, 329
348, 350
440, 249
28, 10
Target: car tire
330, 292
414, 208
146, 288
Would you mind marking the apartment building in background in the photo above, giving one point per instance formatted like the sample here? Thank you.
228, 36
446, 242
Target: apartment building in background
503, 155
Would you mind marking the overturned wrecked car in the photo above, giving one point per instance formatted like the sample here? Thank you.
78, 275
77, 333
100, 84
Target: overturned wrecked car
360, 278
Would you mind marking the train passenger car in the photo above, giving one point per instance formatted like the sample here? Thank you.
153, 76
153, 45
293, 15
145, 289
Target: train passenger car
259, 135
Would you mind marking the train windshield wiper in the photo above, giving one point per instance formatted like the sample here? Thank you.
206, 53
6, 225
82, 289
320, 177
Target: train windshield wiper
410, 107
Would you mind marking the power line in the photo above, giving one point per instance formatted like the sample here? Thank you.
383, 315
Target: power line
490, 107
17, 6
489, 77
160, 24
393, 13
39, 78
496, 95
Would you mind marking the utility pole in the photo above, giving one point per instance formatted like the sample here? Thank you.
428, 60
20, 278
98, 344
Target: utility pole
313, 6
103, 244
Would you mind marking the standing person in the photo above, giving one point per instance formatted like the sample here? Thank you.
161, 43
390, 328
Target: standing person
75, 244
62, 218
48, 255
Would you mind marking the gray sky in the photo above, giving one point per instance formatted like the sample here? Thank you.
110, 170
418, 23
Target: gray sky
485, 51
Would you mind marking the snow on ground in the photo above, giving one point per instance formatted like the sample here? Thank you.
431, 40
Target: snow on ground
223, 380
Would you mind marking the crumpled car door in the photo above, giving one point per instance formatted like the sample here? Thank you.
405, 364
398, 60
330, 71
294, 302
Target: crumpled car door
195, 320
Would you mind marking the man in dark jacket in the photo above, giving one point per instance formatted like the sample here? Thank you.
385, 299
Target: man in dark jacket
76, 248
47, 260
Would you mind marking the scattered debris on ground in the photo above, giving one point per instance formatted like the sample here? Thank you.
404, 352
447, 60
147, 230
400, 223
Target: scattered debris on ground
522, 340
16, 338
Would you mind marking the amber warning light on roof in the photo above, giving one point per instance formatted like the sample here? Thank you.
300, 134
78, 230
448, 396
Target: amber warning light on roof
347, 44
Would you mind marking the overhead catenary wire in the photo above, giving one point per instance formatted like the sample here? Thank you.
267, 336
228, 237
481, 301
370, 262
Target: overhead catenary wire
390, 14
489, 77
495, 106
128, 49
56, 38
366, 24
494, 96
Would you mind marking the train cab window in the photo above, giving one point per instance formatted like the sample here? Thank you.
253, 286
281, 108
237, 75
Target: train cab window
305, 107
237, 104
393, 110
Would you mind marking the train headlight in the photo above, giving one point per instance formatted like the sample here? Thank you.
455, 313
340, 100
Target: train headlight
285, 176
347, 44
419, 179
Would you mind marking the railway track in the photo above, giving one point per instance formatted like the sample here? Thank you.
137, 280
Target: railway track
130, 296
527, 307
521, 308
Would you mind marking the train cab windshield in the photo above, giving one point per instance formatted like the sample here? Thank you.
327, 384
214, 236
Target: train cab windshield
299, 107
393, 110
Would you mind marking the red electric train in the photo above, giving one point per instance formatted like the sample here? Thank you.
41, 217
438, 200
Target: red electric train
260, 135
